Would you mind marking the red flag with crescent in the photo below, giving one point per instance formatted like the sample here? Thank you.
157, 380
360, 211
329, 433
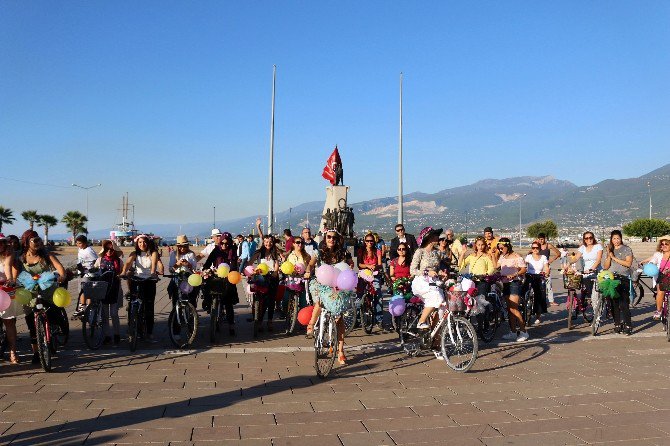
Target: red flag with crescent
329, 169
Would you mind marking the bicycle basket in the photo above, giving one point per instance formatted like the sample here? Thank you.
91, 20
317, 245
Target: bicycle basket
95, 290
572, 281
458, 301
294, 283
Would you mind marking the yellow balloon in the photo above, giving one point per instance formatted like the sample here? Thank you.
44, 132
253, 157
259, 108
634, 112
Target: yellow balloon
195, 280
287, 268
222, 271
264, 268
22, 296
367, 272
61, 297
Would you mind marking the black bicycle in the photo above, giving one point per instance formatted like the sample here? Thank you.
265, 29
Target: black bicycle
96, 289
217, 312
136, 318
295, 287
367, 309
183, 320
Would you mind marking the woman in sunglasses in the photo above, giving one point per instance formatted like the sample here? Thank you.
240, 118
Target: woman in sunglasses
479, 263
269, 254
661, 258
591, 253
537, 265
369, 257
512, 268
399, 266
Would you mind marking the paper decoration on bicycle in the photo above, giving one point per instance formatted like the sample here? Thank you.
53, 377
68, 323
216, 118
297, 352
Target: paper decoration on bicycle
185, 287
294, 283
195, 280
22, 296
249, 270
61, 297
403, 287
222, 271
604, 275
44, 280
287, 268
299, 268
333, 300
608, 288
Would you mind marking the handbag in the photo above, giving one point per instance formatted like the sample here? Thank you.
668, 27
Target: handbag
664, 280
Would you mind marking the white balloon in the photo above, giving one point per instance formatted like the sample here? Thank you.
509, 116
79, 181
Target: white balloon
342, 266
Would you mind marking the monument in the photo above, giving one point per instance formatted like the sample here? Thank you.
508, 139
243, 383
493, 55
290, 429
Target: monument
336, 214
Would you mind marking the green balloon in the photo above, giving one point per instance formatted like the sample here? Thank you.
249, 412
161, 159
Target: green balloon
23, 296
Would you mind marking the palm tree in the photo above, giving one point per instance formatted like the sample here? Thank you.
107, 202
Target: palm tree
46, 221
31, 217
6, 216
75, 222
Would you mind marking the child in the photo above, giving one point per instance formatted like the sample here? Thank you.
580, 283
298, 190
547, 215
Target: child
86, 258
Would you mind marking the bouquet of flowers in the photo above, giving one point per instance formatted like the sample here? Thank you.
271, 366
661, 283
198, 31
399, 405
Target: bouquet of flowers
403, 287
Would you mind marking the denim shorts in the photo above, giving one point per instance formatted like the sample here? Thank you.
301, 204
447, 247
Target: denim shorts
514, 287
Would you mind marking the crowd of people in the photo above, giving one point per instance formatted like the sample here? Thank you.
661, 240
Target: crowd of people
433, 253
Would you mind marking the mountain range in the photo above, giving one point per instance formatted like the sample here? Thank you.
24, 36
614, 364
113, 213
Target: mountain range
490, 202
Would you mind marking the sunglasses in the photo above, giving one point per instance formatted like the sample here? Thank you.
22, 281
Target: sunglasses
330, 237
401, 249
535, 247
400, 230
588, 238
297, 242
369, 241
665, 243
224, 244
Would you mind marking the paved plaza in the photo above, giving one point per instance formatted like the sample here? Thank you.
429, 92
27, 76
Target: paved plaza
559, 388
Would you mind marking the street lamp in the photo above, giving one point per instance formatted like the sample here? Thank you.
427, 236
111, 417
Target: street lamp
649, 187
520, 218
86, 189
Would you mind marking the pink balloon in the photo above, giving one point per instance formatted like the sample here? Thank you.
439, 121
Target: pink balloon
5, 300
249, 270
347, 280
335, 273
324, 274
299, 268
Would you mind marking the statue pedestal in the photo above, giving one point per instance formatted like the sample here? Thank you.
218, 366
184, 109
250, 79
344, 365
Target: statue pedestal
336, 198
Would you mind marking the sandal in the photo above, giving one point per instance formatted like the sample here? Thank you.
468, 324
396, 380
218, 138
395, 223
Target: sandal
13, 359
310, 331
341, 359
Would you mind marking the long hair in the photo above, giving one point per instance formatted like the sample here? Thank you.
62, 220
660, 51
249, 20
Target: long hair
335, 254
25, 243
595, 242
363, 252
478, 238
612, 234
507, 242
305, 257
151, 246
272, 252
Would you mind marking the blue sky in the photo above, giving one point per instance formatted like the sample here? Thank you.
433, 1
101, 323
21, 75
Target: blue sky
170, 100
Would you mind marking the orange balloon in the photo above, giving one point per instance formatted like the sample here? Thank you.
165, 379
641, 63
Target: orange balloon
305, 315
234, 277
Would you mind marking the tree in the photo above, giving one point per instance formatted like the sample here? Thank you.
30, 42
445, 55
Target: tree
46, 221
547, 228
31, 217
75, 221
645, 227
6, 216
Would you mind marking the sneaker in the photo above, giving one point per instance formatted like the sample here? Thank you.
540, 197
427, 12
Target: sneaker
628, 331
537, 322
438, 354
422, 326
656, 316
511, 336
523, 337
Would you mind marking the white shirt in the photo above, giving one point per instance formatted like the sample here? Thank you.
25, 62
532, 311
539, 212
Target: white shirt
143, 265
590, 257
207, 250
86, 257
536, 266
189, 257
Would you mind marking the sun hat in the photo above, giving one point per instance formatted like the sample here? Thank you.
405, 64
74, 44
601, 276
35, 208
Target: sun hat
426, 232
663, 237
182, 240
216, 231
114, 246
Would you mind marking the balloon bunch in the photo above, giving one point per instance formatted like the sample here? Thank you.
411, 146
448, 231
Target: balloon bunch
403, 287
340, 276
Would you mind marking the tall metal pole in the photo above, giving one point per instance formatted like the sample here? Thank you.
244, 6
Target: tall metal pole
214, 225
520, 218
649, 187
272, 150
86, 189
400, 204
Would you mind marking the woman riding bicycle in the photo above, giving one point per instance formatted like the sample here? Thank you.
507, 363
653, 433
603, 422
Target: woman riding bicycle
512, 268
537, 265
661, 258
426, 261
269, 254
299, 255
183, 258
370, 258
591, 253
479, 263
225, 252
37, 260
399, 266
332, 253
8, 274
618, 261
144, 263
109, 259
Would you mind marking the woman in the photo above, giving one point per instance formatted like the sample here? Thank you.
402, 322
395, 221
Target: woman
224, 252
299, 255
144, 263
8, 274
445, 253
426, 262
269, 254
109, 259
512, 268
661, 258
181, 257
370, 258
618, 261
591, 254
479, 263
399, 266
537, 264
36, 260
332, 253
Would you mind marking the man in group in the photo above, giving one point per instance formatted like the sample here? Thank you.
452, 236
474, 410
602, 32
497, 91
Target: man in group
491, 244
288, 238
242, 252
207, 250
547, 249
402, 237
310, 245
252, 245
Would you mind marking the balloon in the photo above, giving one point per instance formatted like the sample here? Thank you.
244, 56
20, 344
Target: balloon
185, 287
5, 300
195, 280
650, 269
264, 268
305, 315
222, 271
249, 270
299, 268
366, 275
397, 307
397, 296
604, 275
342, 266
234, 277
61, 297
324, 273
287, 268
334, 275
23, 296
347, 280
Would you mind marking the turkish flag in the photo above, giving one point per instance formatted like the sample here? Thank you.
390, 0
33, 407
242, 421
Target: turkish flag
329, 169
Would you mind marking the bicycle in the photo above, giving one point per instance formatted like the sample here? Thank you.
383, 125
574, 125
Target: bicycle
258, 290
581, 304
602, 308
136, 318
528, 299
453, 330
325, 343
665, 314
214, 286
183, 316
639, 285
494, 314
92, 324
295, 287
367, 307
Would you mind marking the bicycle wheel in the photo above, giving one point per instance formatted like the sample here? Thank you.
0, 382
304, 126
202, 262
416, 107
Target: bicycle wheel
570, 304
292, 312
587, 311
367, 315
488, 322
528, 306
667, 325
133, 329
638, 289
598, 310
214, 318
256, 311
325, 344
350, 316
43, 347
410, 336
91, 326
459, 344
62, 332
3, 341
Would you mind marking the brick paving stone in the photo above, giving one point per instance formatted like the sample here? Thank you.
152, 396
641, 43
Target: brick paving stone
531, 414
216, 433
628, 406
301, 429
478, 418
581, 410
545, 439
538, 426
345, 415
445, 410
392, 424
243, 420
366, 439
454, 434
321, 440
618, 433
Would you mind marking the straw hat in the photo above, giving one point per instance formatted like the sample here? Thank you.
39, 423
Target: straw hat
182, 240
114, 246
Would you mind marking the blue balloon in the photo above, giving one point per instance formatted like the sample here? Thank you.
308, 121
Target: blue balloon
650, 269
396, 297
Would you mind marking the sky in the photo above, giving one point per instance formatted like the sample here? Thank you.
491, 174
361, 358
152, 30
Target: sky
171, 100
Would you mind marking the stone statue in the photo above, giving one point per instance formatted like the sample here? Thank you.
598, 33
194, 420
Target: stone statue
339, 173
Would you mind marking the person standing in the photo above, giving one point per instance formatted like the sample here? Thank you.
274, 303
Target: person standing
618, 260
491, 244
311, 246
86, 258
288, 239
109, 259
591, 253
402, 236
253, 245
8, 274
243, 255
207, 250
512, 268
661, 258
547, 249
224, 252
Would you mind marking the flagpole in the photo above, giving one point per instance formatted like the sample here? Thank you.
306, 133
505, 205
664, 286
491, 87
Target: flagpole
272, 149
400, 203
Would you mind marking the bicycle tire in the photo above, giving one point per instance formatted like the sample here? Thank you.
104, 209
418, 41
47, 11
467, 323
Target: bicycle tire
3, 341
62, 334
213, 318
487, 324
528, 306
256, 309
350, 315
410, 337
133, 329
460, 353
597, 316
667, 328
587, 311
292, 312
325, 345
367, 315
43, 347
639, 291
91, 327
570, 304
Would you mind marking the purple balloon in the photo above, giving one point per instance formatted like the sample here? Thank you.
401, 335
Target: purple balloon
334, 276
185, 287
347, 280
397, 307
